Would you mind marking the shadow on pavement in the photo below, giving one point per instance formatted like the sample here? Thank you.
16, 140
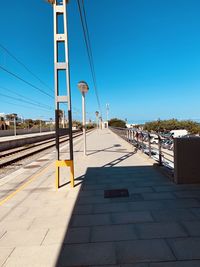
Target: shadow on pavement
99, 226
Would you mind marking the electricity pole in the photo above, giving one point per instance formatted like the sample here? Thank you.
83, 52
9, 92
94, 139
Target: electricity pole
60, 11
107, 110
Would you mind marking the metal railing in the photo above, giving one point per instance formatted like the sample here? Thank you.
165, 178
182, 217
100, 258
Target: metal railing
156, 146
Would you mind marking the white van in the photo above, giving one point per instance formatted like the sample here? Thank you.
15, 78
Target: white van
178, 133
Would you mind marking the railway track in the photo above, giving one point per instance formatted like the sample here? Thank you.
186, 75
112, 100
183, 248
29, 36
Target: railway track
13, 155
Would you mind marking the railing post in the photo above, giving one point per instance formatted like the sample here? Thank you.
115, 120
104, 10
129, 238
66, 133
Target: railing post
149, 140
159, 149
137, 137
132, 136
142, 137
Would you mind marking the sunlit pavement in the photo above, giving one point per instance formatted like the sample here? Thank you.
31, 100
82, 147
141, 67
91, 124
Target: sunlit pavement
157, 225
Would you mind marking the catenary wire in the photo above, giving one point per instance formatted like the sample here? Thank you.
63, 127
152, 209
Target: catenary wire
10, 103
27, 69
26, 98
23, 101
88, 48
28, 83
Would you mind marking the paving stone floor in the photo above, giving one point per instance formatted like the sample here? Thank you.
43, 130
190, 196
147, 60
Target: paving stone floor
158, 225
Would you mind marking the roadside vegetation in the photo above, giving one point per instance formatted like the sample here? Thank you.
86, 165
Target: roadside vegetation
172, 124
117, 123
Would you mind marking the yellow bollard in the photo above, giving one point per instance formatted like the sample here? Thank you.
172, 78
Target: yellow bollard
65, 163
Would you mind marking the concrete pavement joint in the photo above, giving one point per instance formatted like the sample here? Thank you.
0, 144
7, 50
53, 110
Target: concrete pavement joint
8, 257
26, 183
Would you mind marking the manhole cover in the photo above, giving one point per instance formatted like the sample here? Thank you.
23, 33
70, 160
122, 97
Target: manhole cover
116, 193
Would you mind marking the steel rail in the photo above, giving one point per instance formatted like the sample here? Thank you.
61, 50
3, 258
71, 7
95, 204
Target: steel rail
27, 152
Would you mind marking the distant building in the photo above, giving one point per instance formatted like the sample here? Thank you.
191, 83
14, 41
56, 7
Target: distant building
3, 124
6, 120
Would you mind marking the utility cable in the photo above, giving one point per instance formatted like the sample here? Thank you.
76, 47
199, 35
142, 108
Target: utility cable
88, 48
22, 106
24, 101
23, 65
26, 98
28, 83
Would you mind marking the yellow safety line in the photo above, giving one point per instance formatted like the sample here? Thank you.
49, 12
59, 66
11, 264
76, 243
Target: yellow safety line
23, 185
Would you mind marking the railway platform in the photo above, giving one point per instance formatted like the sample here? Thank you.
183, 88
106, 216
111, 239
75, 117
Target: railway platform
23, 136
147, 221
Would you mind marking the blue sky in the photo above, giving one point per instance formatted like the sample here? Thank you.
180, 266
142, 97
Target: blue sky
146, 56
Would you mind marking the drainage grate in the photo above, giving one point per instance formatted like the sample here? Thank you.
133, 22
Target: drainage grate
116, 193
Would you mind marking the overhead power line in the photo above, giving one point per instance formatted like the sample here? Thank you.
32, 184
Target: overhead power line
28, 107
28, 83
26, 98
88, 48
24, 66
23, 101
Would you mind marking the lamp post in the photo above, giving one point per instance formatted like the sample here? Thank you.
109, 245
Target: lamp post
100, 123
14, 116
97, 118
40, 125
107, 111
83, 87
15, 130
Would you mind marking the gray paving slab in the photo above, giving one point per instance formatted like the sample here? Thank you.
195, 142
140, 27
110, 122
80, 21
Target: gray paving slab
160, 230
22, 238
173, 215
174, 188
192, 227
181, 203
157, 196
124, 265
188, 194
20, 224
49, 222
131, 217
194, 263
113, 233
135, 265
146, 189
111, 207
146, 205
106, 265
143, 251
69, 236
34, 256
83, 209
93, 200
186, 248
90, 220
4, 254
87, 254
196, 212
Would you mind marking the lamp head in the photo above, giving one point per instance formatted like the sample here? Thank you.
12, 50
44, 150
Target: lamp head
51, 1
54, 1
83, 87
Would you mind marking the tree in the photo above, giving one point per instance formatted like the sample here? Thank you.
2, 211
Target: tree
115, 122
172, 124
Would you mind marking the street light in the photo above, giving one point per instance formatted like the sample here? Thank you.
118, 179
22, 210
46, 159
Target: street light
15, 128
83, 87
97, 118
